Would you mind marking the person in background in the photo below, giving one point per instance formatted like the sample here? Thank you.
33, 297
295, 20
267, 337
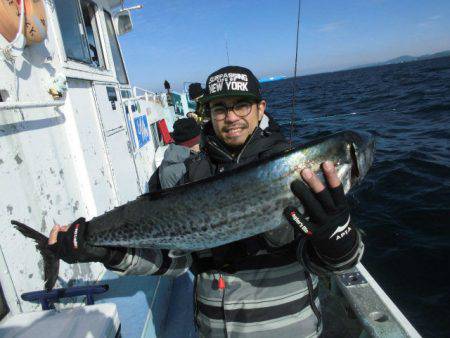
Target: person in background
196, 93
169, 94
263, 286
193, 115
171, 172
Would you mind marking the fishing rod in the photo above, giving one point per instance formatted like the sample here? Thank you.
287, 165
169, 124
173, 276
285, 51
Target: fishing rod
295, 75
294, 87
328, 116
226, 47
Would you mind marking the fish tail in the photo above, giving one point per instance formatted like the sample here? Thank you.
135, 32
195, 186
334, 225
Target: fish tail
51, 260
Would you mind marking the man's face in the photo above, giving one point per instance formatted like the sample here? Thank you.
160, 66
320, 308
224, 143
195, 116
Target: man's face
232, 127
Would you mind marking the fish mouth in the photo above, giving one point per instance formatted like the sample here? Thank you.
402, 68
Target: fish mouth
355, 170
361, 150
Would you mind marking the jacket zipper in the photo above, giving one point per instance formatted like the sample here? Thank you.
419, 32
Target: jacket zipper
245, 145
216, 146
236, 159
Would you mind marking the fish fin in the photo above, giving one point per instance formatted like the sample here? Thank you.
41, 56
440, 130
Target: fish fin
51, 260
51, 270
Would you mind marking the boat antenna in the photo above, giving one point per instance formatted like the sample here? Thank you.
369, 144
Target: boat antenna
295, 75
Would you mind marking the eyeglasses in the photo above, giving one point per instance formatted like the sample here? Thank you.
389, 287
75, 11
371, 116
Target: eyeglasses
241, 109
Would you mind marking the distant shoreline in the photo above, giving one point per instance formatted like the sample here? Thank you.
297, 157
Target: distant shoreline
385, 63
403, 59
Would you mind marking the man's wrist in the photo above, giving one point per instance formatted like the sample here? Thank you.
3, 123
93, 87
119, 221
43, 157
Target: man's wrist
335, 246
343, 252
308, 255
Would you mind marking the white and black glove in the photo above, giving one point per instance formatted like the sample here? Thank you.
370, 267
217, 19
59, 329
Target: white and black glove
328, 228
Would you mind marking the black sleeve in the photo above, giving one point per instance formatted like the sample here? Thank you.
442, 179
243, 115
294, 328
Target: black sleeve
154, 183
198, 167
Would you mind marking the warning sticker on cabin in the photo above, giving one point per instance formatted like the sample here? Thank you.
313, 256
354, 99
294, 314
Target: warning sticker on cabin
142, 131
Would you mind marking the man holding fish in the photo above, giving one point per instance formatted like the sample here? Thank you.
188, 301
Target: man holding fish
265, 285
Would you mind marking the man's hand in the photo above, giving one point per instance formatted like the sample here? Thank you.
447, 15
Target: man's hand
68, 243
328, 227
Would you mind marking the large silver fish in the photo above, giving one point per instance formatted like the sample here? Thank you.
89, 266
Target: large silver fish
227, 207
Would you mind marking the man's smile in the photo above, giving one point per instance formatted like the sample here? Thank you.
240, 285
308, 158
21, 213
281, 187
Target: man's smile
234, 130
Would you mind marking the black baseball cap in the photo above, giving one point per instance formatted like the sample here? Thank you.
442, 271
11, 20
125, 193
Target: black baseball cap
232, 81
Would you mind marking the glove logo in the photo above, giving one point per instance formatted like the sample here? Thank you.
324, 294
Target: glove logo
75, 236
300, 224
342, 230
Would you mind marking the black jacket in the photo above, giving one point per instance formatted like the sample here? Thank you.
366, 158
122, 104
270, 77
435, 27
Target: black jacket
265, 141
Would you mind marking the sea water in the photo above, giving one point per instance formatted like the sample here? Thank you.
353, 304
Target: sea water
403, 205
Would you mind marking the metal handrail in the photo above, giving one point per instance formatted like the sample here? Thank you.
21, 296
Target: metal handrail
146, 95
10, 105
377, 313
134, 98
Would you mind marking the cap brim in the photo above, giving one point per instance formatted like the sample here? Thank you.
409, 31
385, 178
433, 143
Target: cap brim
211, 97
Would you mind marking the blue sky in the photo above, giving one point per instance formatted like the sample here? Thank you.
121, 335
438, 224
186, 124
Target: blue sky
181, 40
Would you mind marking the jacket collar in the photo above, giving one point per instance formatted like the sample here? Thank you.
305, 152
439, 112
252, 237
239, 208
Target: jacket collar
264, 136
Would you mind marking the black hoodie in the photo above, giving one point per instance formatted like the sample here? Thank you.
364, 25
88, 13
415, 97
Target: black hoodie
265, 141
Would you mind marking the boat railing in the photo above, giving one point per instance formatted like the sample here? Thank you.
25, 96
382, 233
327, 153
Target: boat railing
147, 94
11, 105
376, 312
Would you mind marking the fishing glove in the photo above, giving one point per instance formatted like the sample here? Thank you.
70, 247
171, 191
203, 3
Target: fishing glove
328, 228
72, 247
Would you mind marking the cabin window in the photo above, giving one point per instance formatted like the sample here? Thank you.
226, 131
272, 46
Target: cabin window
115, 50
3, 306
89, 9
126, 94
79, 30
